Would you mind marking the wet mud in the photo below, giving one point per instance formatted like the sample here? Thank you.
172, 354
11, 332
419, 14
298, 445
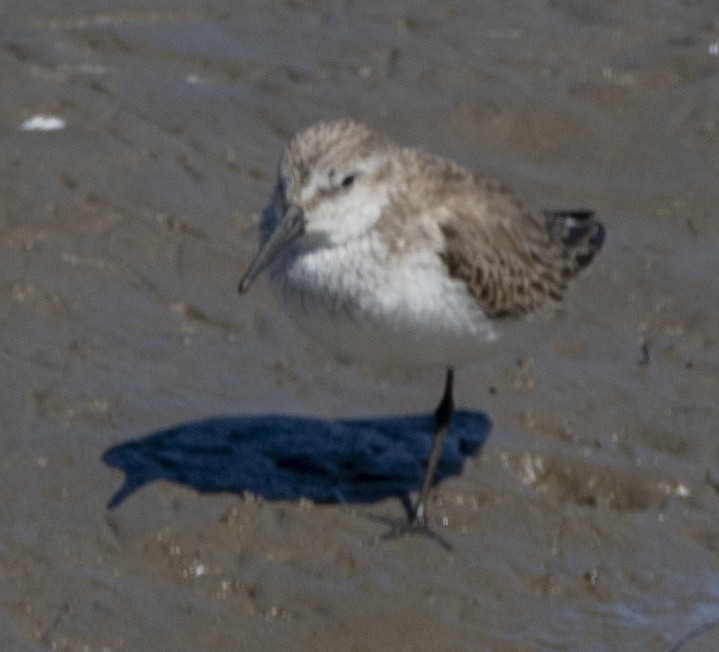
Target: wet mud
182, 470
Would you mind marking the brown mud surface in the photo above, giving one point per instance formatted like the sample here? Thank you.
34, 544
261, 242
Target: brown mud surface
585, 517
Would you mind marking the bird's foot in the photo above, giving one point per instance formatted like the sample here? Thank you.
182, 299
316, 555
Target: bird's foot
417, 524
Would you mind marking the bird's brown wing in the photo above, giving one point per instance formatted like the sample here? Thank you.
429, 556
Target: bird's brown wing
513, 260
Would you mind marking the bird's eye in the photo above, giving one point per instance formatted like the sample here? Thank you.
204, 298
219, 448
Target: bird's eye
348, 180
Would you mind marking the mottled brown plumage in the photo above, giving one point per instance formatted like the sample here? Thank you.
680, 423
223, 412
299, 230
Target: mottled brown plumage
526, 259
512, 260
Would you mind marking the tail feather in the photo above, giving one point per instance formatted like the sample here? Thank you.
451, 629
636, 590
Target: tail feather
580, 233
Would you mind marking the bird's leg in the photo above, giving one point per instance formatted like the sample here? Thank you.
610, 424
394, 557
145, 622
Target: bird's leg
442, 418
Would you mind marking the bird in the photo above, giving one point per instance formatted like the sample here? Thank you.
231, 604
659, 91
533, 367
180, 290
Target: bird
389, 255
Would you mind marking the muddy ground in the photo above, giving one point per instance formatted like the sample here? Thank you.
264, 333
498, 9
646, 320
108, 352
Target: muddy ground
253, 476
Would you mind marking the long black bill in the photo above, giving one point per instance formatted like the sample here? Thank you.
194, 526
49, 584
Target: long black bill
291, 227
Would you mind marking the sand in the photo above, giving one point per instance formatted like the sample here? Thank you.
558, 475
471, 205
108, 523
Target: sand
579, 503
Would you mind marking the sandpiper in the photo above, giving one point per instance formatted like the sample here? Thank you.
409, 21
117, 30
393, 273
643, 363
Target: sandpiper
390, 255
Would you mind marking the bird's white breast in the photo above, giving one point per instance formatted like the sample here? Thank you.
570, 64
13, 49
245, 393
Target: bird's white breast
366, 304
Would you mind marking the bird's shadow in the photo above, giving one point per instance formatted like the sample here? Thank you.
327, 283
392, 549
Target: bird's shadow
288, 458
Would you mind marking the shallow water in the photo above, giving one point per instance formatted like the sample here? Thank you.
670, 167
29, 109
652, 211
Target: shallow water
588, 519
